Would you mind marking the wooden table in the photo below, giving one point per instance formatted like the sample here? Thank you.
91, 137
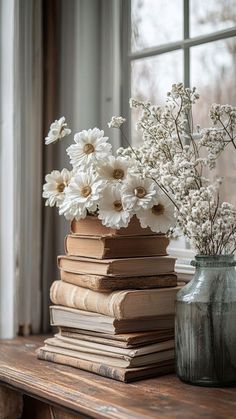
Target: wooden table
87, 395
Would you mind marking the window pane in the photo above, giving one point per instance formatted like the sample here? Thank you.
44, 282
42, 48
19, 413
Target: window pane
151, 78
155, 22
213, 72
211, 15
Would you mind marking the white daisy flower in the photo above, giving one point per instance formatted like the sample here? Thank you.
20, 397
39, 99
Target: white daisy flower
138, 193
116, 122
71, 210
111, 211
54, 188
114, 169
58, 130
160, 217
90, 146
82, 194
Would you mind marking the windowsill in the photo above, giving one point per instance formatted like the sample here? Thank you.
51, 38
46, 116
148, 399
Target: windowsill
183, 258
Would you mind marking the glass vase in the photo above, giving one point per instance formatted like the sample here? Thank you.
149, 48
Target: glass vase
206, 323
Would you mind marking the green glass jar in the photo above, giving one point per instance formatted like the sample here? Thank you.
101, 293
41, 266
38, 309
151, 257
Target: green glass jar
206, 323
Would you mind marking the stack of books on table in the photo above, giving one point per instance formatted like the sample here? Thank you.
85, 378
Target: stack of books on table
114, 304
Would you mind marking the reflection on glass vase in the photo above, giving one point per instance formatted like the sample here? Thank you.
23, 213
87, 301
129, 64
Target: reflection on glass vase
206, 323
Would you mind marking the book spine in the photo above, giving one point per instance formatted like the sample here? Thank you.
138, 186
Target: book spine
92, 282
96, 368
69, 295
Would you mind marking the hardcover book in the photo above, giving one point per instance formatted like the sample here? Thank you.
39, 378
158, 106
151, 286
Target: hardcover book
120, 374
110, 350
122, 358
103, 283
86, 320
126, 304
146, 266
125, 340
92, 226
105, 247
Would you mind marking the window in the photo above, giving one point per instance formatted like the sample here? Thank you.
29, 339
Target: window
181, 40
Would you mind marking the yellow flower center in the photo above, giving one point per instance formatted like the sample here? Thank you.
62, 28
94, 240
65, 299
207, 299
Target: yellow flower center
118, 174
158, 209
86, 191
117, 206
88, 148
61, 187
140, 192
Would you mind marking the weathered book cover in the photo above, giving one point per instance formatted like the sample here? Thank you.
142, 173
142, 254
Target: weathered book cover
144, 266
93, 347
92, 226
88, 321
113, 359
126, 304
122, 340
103, 283
105, 247
120, 374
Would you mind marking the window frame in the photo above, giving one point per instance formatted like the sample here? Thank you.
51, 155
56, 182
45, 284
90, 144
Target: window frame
185, 254
184, 44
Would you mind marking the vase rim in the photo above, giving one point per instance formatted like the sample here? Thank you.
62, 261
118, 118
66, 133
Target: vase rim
219, 256
219, 261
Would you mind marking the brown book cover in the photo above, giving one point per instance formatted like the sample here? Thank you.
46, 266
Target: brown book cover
146, 266
125, 340
92, 226
125, 304
104, 247
109, 350
120, 374
85, 320
102, 283
119, 359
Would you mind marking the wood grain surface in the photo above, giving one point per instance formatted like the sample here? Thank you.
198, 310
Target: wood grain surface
98, 397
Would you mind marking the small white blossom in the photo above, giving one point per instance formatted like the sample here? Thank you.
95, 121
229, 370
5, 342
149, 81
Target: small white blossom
58, 130
90, 146
116, 122
54, 188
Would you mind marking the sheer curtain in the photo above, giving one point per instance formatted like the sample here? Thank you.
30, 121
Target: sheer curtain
87, 93
56, 59
21, 132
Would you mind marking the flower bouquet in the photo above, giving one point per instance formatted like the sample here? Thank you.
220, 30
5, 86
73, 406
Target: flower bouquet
104, 185
180, 158
167, 184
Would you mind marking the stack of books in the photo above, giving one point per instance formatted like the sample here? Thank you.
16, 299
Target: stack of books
114, 304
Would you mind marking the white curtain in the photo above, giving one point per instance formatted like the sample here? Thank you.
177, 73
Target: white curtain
7, 210
57, 58
21, 133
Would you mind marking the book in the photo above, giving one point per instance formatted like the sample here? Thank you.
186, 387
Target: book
104, 247
115, 359
125, 340
103, 283
125, 304
86, 320
110, 350
120, 374
146, 266
92, 226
